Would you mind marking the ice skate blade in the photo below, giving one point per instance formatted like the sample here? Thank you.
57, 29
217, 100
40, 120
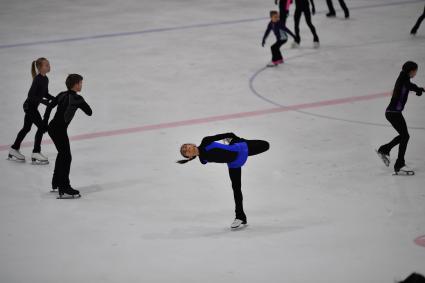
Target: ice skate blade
404, 173
240, 227
38, 162
68, 197
13, 158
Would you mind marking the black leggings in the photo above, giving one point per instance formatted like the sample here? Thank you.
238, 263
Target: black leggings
254, 147
283, 13
397, 121
60, 138
332, 9
276, 55
307, 16
32, 116
418, 22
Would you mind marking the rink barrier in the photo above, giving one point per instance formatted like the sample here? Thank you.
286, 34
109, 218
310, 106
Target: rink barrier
210, 119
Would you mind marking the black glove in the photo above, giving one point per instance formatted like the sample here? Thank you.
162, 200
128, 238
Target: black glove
263, 43
419, 92
275, 2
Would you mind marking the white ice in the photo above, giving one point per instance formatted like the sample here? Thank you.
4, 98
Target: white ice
321, 206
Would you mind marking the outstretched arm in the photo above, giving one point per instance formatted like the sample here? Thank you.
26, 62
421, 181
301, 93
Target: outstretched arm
266, 34
207, 140
290, 33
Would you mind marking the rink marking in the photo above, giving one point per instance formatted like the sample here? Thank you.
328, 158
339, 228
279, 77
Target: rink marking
420, 241
184, 27
196, 121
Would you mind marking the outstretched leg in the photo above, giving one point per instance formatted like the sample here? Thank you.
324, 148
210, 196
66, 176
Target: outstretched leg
235, 176
23, 132
257, 146
418, 23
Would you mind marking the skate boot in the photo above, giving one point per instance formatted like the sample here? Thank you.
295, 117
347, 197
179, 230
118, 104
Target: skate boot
413, 32
15, 155
331, 15
295, 45
384, 157
39, 159
405, 170
237, 223
68, 193
316, 44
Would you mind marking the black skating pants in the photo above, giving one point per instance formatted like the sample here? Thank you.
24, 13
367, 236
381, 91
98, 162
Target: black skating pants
307, 16
32, 116
254, 147
60, 138
275, 48
418, 22
397, 121
343, 6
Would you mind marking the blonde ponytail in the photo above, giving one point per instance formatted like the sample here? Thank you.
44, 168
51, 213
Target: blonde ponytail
33, 70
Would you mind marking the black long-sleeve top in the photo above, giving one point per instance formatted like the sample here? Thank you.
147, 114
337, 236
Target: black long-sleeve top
39, 91
279, 30
68, 102
401, 92
216, 154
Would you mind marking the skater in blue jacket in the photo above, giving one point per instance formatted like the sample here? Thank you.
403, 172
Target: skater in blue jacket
235, 154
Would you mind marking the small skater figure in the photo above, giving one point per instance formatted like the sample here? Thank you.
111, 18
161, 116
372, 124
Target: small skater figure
332, 12
235, 154
38, 93
68, 103
394, 115
283, 9
418, 23
280, 31
303, 7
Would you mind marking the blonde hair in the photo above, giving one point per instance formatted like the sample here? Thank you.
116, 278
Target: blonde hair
36, 65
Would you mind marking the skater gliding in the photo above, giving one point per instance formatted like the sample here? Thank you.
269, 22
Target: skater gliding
235, 154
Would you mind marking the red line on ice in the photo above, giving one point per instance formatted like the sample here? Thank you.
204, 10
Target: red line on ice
210, 119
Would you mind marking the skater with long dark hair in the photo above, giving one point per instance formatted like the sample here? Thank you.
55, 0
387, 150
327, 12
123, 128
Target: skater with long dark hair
303, 7
332, 12
418, 23
235, 154
280, 31
68, 102
394, 115
38, 93
283, 9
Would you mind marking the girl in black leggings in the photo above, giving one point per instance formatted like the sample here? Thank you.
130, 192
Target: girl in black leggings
235, 154
303, 7
395, 117
38, 93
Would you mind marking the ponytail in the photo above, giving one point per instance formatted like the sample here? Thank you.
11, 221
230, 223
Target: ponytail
183, 161
36, 65
33, 70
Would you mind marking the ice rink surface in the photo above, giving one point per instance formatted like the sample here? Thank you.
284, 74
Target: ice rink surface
321, 207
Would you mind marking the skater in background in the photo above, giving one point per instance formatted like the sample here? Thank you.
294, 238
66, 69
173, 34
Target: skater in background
38, 93
280, 31
68, 102
394, 115
283, 9
418, 23
332, 12
235, 154
303, 7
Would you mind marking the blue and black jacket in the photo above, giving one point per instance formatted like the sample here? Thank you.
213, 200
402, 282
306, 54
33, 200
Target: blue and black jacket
235, 154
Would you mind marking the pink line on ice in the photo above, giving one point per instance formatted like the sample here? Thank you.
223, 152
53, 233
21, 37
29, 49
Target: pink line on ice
420, 241
175, 124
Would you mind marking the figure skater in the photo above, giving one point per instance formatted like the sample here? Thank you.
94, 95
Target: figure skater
235, 154
395, 117
38, 93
